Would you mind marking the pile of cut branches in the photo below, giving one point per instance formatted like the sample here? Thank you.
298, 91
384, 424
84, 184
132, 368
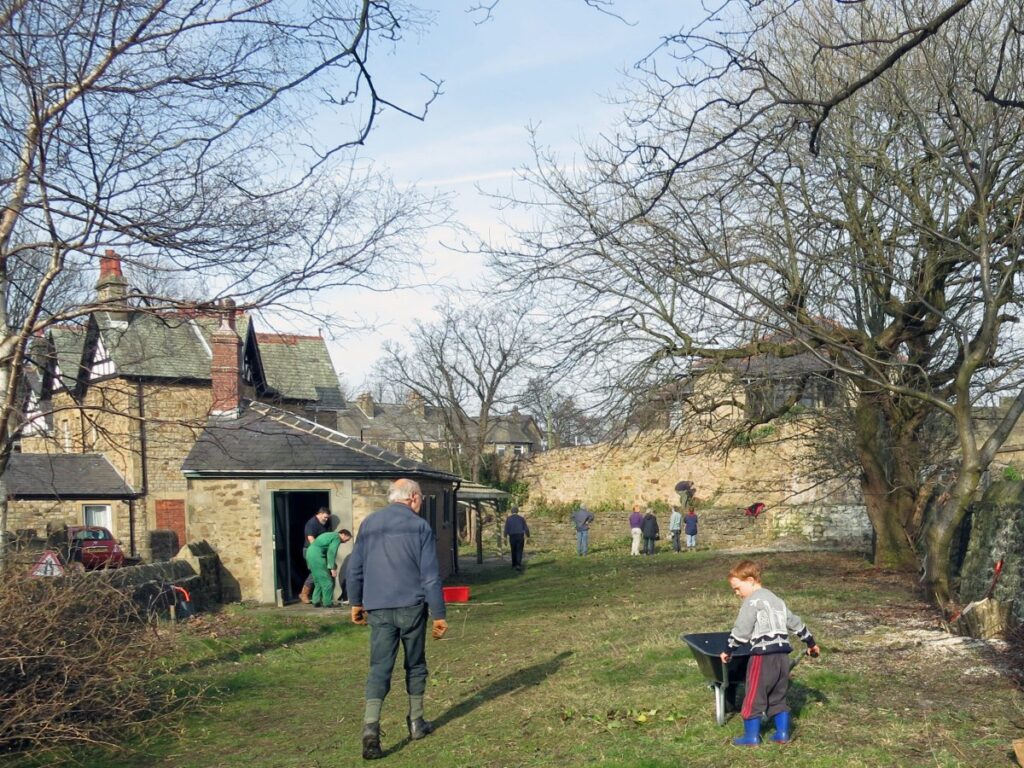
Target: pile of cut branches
77, 664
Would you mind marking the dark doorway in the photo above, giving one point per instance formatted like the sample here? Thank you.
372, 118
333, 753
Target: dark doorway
292, 509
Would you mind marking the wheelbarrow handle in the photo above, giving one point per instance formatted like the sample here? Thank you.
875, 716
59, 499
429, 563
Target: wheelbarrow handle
800, 657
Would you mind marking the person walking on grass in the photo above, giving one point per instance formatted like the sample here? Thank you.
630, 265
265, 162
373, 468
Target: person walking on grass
675, 525
765, 623
393, 581
581, 520
636, 519
316, 525
651, 532
516, 531
690, 524
321, 556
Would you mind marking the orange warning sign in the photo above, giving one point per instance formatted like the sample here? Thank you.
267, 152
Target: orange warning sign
48, 564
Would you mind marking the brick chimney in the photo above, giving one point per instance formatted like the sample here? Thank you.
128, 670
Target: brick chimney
365, 403
226, 365
415, 403
112, 288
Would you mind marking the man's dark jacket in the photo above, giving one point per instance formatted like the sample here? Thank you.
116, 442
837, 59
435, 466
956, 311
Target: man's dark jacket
394, 562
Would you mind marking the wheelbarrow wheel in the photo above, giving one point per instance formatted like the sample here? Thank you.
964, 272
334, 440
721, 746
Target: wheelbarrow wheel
720, 704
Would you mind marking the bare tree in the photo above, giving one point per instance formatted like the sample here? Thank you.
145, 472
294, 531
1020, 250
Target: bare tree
190, 137
466, 361
559, 415
890, 256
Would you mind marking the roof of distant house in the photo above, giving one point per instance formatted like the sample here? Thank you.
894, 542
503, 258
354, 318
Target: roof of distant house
412, 421
514, 427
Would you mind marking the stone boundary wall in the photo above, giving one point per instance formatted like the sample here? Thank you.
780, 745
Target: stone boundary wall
610, 479
826, 526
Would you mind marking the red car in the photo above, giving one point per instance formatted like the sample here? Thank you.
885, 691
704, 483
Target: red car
94, 547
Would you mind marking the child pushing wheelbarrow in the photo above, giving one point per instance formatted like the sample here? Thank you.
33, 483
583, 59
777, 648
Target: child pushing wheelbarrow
758, 649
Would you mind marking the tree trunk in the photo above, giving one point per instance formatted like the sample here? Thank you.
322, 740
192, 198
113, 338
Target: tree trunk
3, 529
939, 530
888, 505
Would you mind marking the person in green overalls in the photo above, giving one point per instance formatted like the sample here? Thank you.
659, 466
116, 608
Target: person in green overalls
320, 557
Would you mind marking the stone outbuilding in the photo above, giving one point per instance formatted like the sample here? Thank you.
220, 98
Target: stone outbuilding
256, 477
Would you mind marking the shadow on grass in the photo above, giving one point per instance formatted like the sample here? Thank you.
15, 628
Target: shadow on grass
800, 695
226, 651
514, 681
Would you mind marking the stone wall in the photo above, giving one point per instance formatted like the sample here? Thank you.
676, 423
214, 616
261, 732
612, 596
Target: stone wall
226, 513
610, 479
997, 533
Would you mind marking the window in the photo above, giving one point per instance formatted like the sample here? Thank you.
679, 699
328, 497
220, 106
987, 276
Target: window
65, 430
446, 509
97, 514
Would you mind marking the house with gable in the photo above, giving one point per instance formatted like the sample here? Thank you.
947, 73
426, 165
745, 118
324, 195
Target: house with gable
139, 388
419, 429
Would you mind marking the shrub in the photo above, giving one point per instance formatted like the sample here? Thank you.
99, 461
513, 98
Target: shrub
1011, 473
77, 664
553, 510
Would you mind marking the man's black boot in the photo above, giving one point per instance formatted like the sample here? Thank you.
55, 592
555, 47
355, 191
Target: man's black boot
419, 728
371, 741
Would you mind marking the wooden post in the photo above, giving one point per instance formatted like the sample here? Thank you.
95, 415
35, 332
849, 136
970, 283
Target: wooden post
479, 535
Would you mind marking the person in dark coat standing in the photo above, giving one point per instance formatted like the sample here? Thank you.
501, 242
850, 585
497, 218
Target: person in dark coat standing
516, 531
650, 530
393, 580
690, 523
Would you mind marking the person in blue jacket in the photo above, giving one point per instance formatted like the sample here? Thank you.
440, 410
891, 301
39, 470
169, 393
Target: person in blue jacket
516, 531
393, 580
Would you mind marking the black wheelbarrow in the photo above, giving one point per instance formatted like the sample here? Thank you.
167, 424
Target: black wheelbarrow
723, 679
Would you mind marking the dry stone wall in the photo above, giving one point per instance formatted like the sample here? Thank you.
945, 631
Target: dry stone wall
610, 479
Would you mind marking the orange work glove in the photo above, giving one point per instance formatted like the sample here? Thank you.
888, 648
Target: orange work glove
440, 627
358, 614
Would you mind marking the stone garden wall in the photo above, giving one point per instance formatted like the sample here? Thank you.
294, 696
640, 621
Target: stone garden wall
610, 479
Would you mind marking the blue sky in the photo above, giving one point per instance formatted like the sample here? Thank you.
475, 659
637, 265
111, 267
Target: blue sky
551, 65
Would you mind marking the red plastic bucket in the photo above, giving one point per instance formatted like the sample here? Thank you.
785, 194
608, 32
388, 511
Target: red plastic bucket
456, 594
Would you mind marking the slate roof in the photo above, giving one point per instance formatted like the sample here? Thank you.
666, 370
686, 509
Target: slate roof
300, 368
396, 421
268, 441
177, 346
513, 428
771, 366
153, 346
68, 344
64, 475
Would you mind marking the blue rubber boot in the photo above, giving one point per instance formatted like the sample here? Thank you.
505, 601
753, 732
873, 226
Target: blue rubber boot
751, 733
782, 728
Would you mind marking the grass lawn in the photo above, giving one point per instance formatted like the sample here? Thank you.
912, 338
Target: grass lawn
578, 662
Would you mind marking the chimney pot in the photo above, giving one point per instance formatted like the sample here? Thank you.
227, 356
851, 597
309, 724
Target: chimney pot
365, 403
112, 288
228, 319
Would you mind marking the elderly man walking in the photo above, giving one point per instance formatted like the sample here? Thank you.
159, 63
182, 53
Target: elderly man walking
393, 579
516, 531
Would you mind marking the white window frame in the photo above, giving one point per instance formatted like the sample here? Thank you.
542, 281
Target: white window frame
98, 514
